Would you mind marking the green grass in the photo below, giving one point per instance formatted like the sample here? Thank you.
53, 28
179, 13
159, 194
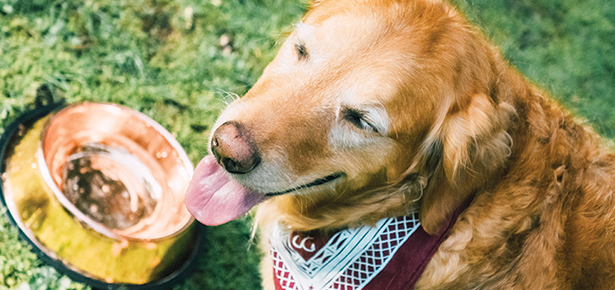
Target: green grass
164, 58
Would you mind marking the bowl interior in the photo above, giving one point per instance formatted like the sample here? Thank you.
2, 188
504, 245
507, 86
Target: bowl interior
116, 170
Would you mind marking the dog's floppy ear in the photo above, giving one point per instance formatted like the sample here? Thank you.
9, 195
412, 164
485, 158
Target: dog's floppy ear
471, 144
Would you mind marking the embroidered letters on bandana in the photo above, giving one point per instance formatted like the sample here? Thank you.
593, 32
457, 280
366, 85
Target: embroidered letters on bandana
348, 260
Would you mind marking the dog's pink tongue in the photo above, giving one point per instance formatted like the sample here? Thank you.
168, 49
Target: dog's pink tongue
213, 198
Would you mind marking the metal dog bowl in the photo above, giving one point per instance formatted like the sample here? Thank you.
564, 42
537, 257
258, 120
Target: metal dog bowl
99, 189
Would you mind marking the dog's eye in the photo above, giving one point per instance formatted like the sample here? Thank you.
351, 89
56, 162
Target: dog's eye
301, 51
357, 118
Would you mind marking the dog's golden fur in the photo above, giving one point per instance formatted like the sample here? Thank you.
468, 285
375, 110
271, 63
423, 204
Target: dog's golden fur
450, 120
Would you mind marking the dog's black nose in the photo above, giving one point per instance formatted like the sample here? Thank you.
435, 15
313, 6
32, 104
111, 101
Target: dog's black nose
234, 148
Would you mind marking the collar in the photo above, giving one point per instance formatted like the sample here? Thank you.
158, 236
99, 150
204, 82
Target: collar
394, 254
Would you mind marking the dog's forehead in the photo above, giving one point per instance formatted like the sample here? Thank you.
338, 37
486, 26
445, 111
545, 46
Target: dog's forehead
350, 45
360, 63
348, 33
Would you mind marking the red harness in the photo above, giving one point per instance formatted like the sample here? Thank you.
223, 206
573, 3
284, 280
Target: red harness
392, 255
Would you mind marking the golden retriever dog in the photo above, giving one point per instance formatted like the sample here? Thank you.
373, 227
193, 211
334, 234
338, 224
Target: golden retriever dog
378, 109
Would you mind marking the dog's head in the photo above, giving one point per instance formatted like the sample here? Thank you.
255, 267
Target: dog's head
370, 108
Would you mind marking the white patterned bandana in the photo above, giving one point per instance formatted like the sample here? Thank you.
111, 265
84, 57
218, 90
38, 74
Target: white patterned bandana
392, 255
